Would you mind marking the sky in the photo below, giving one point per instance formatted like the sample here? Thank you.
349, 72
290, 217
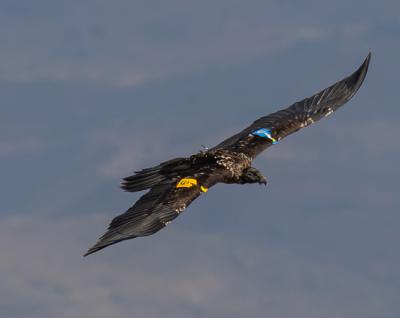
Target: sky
94, 90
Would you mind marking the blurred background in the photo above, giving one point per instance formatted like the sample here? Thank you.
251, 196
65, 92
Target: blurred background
93, 90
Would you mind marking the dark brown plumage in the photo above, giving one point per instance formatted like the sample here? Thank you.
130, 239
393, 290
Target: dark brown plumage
174, 184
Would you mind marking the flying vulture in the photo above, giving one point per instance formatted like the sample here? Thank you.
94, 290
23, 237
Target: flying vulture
174, 184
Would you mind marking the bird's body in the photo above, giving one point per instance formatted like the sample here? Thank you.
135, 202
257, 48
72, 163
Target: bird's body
174, 184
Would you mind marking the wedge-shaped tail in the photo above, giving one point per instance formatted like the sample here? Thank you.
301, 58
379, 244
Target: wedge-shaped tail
148, 178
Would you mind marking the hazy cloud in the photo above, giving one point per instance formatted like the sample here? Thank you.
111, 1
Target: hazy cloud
153, 61
101, 43
19, 146
321, 240
44, 275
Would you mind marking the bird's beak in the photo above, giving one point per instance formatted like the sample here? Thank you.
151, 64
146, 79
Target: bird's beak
263, 181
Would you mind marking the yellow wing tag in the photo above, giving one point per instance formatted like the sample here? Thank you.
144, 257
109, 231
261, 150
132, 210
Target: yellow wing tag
203, 189
186, 183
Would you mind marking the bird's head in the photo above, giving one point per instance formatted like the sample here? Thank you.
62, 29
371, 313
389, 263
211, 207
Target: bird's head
252, 175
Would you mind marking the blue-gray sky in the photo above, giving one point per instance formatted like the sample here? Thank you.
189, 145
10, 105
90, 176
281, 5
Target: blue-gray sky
93, 90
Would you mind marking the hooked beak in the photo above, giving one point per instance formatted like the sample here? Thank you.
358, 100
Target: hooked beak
263, 181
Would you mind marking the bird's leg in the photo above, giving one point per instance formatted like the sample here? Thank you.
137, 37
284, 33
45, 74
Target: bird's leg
252, 175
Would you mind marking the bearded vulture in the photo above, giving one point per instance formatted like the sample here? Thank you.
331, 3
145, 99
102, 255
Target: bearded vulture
175, 183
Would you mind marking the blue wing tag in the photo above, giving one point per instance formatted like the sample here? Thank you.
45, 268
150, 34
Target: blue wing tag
264, 133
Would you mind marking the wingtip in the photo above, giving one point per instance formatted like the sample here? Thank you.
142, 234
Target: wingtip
364, 66
90, 251
96, 247
109, 238
357, 78
367, 60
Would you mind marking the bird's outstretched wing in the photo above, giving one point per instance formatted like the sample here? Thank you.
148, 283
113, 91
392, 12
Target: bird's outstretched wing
153, 211
269, 129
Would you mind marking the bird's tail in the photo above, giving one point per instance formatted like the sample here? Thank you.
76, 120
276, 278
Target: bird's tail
150, 177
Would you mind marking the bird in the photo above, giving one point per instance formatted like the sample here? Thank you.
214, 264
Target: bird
175, 183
